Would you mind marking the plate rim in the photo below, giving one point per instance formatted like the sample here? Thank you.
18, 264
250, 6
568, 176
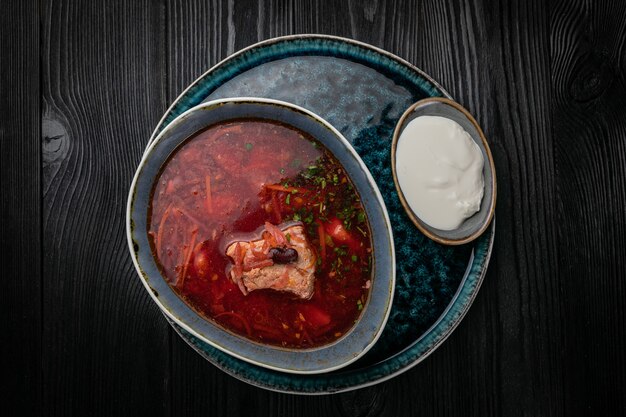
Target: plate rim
401, 370
489, 233
287, 38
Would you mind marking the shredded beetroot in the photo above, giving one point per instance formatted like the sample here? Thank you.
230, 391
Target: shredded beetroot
276, 208
278, 187
275, 333
209, 197
296, 239
238, 258
159, 238
276, 233
322, 236
261, 252
238, 316
181, 279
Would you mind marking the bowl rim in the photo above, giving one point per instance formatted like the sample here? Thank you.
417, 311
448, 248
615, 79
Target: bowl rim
389, 288
400, 125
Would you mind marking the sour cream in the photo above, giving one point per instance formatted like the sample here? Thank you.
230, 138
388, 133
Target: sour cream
440, 171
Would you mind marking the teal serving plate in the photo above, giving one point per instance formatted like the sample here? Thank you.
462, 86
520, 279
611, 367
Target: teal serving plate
362, 91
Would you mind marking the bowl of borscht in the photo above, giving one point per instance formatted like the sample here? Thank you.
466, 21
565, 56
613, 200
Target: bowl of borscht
255, 226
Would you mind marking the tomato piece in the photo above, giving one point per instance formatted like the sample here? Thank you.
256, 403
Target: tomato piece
338, 232
315, 316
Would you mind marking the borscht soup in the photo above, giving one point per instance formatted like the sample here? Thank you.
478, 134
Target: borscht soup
257, 226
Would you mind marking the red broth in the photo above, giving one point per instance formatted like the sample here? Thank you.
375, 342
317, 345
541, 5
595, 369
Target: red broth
232, 178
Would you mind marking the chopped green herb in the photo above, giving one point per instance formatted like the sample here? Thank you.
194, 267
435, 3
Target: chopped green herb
288, 237
288, 199
310, 173
317, 180
360, 216
282, 170
341, 250
249, 146
359, 304
354, 258
296, 217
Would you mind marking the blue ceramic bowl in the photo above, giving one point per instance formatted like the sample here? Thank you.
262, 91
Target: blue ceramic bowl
308, 361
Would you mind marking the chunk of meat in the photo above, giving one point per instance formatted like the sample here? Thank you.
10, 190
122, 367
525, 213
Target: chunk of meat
254, 269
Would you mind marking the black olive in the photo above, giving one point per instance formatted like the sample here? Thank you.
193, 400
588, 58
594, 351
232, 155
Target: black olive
283, 255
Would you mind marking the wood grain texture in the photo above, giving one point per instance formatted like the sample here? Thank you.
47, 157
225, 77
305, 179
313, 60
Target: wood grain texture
494, 59
83, 84
447, 41
200, 34
20, 205
105, 343
588, 52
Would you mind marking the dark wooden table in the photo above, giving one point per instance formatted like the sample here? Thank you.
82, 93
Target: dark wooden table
85, 82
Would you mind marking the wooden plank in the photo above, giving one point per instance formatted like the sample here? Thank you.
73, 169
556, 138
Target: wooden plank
200, 34
106, 343
547, 333
588, 51
504, 358
20, 205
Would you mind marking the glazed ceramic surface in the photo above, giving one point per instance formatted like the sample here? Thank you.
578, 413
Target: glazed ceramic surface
360, 338
362, 91
475, 225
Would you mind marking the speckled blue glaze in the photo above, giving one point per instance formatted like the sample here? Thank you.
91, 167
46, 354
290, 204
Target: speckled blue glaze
362, 91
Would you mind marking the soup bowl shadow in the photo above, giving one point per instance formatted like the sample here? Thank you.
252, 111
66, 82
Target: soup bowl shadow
371, 322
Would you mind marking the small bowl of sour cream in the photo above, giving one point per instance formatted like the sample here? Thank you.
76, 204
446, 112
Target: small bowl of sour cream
443, 171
